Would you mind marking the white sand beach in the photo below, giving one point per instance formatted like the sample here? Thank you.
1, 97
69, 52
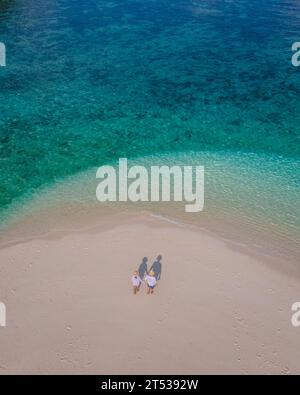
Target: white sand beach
70, 306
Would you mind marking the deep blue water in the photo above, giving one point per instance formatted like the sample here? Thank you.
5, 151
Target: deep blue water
90, 81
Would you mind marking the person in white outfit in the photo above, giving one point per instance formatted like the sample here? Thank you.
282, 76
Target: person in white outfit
151, 282
136, 282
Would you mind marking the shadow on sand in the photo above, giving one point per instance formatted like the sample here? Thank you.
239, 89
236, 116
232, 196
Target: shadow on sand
156, 267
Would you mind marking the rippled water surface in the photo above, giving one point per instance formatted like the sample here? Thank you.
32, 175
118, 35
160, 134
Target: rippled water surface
89, 81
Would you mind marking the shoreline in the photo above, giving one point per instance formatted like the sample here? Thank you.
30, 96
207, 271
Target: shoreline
68, 296
249, 199
278, 252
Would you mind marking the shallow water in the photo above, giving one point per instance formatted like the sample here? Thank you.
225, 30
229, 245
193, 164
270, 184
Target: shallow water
92, 81
250, 199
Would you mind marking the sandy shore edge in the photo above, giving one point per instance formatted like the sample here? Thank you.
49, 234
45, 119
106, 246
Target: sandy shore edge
70, 307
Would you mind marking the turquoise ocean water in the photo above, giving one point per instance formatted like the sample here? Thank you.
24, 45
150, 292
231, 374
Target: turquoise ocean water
89, 81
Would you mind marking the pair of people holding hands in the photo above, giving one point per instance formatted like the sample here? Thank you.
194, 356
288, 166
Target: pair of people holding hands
149, 278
